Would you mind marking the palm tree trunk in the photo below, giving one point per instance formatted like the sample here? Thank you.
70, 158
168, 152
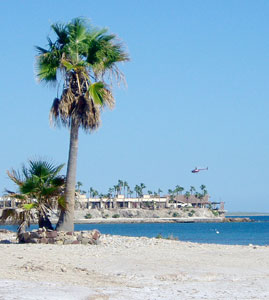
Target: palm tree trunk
66, 219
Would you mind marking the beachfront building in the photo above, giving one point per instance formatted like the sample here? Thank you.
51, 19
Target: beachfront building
8, 202
147, 201
144, 202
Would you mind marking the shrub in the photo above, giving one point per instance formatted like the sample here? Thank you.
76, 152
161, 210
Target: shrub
159, 236
215, 213
88, 216
190, 214
175, 215
170, 237
116, 216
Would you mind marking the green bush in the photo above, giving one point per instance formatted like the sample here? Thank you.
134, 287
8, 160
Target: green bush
175, 215
88, 216
116, 216
215, 213
190, 214
170, 237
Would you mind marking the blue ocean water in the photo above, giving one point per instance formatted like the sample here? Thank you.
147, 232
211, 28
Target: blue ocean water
256, 233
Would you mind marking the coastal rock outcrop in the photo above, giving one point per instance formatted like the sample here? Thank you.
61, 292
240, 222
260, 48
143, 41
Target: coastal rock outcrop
239, 220
43, 236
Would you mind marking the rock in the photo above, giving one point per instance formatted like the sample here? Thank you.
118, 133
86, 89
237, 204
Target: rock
68, 241
34, 241
75, 242
60, 238
96, 235
85, 241
34, 235
43, 240
51, 234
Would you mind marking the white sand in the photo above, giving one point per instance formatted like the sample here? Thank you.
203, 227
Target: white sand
134, 268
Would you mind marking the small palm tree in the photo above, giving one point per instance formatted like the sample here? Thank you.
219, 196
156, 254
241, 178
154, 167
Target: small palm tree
39, 187
80, 58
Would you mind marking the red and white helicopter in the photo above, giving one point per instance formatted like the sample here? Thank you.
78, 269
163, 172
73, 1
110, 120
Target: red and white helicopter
196, 170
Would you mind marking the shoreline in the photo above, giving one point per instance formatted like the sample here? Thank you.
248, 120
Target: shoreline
149, 220
145, 220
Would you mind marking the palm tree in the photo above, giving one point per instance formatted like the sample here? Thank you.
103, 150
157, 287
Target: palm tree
137, 190
187, 195
81, 58
91, 191
39, 187
116, 189
95, 193
142, 186
159, 192
203, 188
179, 189
192, 189
79, 184
172, 195
125, 187
110, 191
120, 185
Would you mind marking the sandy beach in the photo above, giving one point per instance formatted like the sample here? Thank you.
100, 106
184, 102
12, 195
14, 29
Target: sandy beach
133, 268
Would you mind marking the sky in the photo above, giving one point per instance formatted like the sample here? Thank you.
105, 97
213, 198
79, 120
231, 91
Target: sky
196, 96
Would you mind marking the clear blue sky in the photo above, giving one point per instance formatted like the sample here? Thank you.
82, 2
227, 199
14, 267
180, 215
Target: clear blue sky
197, 95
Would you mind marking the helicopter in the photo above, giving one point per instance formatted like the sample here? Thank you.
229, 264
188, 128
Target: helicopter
196, 170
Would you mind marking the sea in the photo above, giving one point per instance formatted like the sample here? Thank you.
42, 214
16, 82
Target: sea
246, 233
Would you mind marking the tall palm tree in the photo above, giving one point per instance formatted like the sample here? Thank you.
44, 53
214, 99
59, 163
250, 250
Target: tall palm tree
192, 189
125, 187
171, 195
120, 185
142, 186
80, 58
187, 195
79, 185
137, 190
40, 187
203, 188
